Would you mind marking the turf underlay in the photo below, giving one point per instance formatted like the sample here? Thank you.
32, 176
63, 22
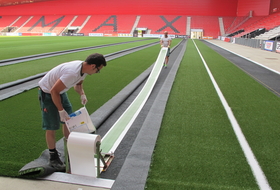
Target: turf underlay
196, 147
22, 139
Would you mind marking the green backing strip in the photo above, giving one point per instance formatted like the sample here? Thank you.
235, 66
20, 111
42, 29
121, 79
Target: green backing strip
118, 130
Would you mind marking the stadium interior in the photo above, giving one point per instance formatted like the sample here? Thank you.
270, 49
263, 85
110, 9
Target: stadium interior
209, 50
200, 19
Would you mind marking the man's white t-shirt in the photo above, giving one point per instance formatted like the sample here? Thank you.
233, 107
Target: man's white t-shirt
165, 41
69, 73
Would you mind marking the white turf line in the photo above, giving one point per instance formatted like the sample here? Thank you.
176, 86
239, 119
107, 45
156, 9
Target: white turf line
251, 159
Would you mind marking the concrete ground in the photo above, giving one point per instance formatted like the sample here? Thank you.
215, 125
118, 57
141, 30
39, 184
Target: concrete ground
8, 183
263, 57
267, 59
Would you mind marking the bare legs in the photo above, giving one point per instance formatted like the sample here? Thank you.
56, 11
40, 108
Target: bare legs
50, 136
166, 60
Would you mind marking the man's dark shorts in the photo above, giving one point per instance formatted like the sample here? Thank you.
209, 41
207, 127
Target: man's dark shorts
168, 52
50, 115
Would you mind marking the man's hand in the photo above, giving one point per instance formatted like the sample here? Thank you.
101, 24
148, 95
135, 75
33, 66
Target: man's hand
83, 99
63, 115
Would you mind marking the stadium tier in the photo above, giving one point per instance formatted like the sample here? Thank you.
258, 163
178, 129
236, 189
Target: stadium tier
254, 23
157, 24
20, 21
79, 20
7, 21
109, 24
128, 24
228, 21
209, 24
46, 24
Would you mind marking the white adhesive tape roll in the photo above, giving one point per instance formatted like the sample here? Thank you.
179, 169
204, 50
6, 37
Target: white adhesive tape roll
81, 150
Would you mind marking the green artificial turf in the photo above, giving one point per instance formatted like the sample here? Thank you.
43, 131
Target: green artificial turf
22, 139
25, 69
196, 146
256, 109
11, 47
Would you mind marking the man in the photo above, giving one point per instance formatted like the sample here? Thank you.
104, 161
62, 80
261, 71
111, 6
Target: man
165, 41
54, 102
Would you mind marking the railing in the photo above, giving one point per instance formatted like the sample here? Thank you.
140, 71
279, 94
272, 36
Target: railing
238, 22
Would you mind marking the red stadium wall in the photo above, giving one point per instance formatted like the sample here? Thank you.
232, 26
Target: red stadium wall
125, 7
274, 6
259, 7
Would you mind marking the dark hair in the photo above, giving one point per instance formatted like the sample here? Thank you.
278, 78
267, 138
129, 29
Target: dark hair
97, 59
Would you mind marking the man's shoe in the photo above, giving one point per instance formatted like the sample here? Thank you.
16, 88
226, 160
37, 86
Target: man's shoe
56, 163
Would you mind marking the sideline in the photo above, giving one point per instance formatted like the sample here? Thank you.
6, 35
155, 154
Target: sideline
277, 72
251, 159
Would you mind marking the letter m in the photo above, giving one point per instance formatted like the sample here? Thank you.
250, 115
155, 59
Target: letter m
42, 20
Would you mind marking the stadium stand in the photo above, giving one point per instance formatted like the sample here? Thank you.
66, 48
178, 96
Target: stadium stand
228, 21
70, 20
157, 24
244, 23
209, 24
79, 20
109, 24
20, 21
49, 24
7, 21
270, 21
258, 22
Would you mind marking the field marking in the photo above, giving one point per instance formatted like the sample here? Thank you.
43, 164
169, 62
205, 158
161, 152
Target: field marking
251, 159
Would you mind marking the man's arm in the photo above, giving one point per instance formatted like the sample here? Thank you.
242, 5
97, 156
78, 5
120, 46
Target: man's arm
161, 43
55, 92
169, 42
79, 88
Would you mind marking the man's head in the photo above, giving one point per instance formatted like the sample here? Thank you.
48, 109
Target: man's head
165, 33
96, 59
94, 63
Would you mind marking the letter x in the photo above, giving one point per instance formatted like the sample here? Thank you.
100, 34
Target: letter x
169, 24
